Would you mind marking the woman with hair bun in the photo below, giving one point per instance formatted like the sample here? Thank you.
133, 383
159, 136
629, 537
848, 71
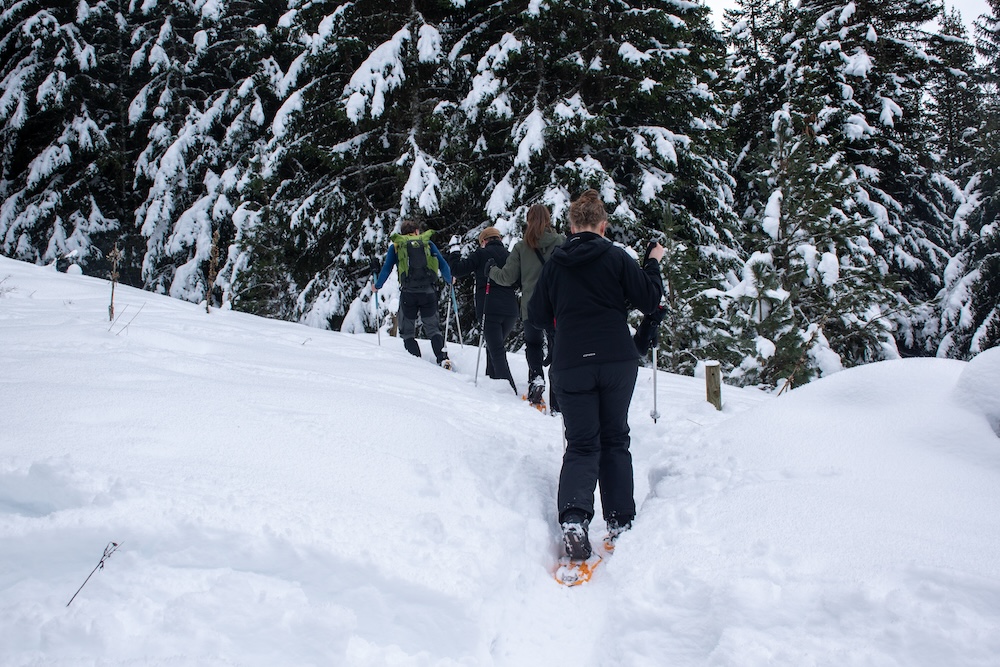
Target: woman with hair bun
585, 291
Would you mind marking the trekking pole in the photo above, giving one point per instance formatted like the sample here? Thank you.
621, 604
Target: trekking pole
654, 413
378, 325
482, 333
447, 326
454, 305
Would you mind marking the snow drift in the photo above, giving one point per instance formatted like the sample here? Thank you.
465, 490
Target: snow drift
290, 496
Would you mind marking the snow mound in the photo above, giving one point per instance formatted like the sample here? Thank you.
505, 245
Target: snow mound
978, 388
285, 495
861, 498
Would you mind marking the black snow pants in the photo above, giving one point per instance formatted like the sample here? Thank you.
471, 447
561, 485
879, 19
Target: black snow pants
594, 400
425, 305
497, 328
534, 354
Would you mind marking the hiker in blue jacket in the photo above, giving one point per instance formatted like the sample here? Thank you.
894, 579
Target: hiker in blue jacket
419, 263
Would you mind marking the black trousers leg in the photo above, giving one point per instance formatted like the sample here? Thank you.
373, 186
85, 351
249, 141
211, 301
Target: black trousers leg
594, 400
533, 352
428, 306
496, 331
615, 477
409, 307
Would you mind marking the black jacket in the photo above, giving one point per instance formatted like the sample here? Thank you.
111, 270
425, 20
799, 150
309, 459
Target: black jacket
586, 291
503, 300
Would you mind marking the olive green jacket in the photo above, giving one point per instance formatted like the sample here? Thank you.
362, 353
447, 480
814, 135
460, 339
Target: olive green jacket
524, 266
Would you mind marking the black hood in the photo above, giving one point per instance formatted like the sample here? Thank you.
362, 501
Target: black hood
581, 248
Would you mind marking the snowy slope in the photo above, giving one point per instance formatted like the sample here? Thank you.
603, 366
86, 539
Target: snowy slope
289, 496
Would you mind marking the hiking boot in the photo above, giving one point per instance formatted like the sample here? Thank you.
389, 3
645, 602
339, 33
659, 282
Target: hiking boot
615, 529
445, 363
535, 392
575, 538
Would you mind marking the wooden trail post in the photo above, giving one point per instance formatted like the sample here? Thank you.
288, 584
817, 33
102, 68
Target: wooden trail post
713, 383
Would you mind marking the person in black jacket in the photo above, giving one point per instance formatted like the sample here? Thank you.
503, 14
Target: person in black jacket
496, 305
585, 291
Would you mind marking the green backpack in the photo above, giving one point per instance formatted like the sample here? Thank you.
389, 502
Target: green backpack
417, 265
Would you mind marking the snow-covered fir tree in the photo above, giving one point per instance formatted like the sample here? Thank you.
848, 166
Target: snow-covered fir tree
970, 301
754, 29
58, 166
955, 101
239, 45
812, 295
116, 133
877, 56
954, 113
358, 143
619, 97
859, 152
186, 57
846, 185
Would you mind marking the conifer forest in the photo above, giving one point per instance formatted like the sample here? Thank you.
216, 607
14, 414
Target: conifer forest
824, 174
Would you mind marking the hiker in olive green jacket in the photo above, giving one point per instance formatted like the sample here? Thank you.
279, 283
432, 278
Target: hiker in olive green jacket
523, 266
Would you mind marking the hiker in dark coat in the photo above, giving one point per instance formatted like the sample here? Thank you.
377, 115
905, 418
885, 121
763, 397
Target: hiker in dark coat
586, 290
496, 311
523, 267
419, 265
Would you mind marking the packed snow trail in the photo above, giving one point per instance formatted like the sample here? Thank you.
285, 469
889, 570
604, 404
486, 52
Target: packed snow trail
290, 496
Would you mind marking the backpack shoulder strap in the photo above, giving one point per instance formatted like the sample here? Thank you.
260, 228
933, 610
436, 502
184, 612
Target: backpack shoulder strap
402, 256
432, 262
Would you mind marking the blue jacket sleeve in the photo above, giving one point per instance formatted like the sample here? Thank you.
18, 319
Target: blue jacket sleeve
390, 261
442, 264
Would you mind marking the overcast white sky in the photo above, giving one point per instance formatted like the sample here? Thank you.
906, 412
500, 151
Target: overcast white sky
971, 9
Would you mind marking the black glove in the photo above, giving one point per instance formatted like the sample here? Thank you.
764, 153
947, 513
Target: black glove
649, 249
648, 333
490, 263
657, 316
